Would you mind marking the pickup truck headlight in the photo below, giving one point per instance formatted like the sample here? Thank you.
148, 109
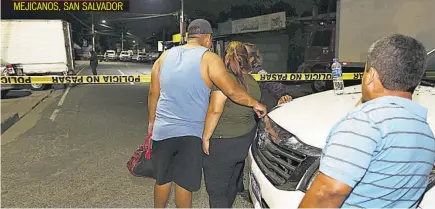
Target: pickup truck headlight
281, 156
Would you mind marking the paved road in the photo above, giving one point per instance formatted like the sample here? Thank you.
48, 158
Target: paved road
71, 151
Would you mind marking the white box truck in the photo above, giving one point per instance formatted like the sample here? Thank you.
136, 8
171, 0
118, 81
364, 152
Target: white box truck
361, 23
36, 48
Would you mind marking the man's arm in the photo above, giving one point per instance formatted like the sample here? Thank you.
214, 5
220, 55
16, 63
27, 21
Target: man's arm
345, 160
219, 76
276, 88
154, 92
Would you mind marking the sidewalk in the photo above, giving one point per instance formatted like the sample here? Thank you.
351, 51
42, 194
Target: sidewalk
18, 104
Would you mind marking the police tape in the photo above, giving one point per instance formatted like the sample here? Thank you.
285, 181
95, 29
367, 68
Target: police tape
86, 79
119, 79
304, 76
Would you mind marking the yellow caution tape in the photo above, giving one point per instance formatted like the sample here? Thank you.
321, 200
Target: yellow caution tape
76, 79
304, 76
147, 78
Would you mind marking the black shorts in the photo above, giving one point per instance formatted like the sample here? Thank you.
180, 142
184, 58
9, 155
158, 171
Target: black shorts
178, 159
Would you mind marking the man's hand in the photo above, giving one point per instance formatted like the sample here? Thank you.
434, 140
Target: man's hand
284, 99
260, 109
206, 146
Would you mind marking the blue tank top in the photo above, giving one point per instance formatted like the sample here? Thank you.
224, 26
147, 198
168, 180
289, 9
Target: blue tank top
184, 97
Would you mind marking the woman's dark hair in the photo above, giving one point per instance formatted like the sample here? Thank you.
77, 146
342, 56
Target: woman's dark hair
237, 61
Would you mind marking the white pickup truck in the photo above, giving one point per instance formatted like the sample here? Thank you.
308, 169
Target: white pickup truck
282, 167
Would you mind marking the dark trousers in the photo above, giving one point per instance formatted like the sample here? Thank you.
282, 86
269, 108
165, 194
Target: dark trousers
240, 185
222, 169
94, 69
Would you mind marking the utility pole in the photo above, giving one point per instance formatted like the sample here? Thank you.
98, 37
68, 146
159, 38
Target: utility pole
122, 39
93, 33
182, 23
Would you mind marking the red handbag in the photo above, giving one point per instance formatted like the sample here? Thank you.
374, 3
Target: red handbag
140, 163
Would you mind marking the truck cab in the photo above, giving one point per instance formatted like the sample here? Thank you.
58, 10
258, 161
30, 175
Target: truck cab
319, 50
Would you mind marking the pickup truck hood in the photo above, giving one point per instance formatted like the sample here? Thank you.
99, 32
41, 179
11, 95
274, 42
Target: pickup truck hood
311, 117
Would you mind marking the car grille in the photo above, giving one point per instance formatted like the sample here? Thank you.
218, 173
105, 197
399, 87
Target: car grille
276, 163
283, 165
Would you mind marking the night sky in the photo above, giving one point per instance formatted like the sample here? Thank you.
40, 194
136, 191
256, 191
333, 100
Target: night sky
144, 28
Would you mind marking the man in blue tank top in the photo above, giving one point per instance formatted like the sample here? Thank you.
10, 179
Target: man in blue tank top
178, 99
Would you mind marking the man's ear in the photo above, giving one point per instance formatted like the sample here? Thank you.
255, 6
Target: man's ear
371, 75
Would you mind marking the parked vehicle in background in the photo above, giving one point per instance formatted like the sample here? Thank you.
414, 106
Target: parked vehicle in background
141, 57
36, 48
110, 55
285, 154
152, 56
346, 38
125, 56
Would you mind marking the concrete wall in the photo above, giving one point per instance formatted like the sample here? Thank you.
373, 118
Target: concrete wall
225, 28
273, 47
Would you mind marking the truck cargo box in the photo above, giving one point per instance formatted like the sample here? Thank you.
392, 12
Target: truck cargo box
40, 46
361, 22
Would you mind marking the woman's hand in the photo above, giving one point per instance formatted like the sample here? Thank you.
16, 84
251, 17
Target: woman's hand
206, 146
150, 128
284, 99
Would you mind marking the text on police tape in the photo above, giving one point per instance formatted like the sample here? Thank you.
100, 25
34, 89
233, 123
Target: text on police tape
101, 79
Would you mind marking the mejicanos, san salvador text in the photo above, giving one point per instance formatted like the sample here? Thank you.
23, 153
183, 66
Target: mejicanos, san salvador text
16, 80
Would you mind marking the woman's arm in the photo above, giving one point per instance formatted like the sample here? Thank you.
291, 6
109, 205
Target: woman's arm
214, 112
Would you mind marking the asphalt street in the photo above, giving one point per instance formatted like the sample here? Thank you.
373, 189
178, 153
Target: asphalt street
71, 151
